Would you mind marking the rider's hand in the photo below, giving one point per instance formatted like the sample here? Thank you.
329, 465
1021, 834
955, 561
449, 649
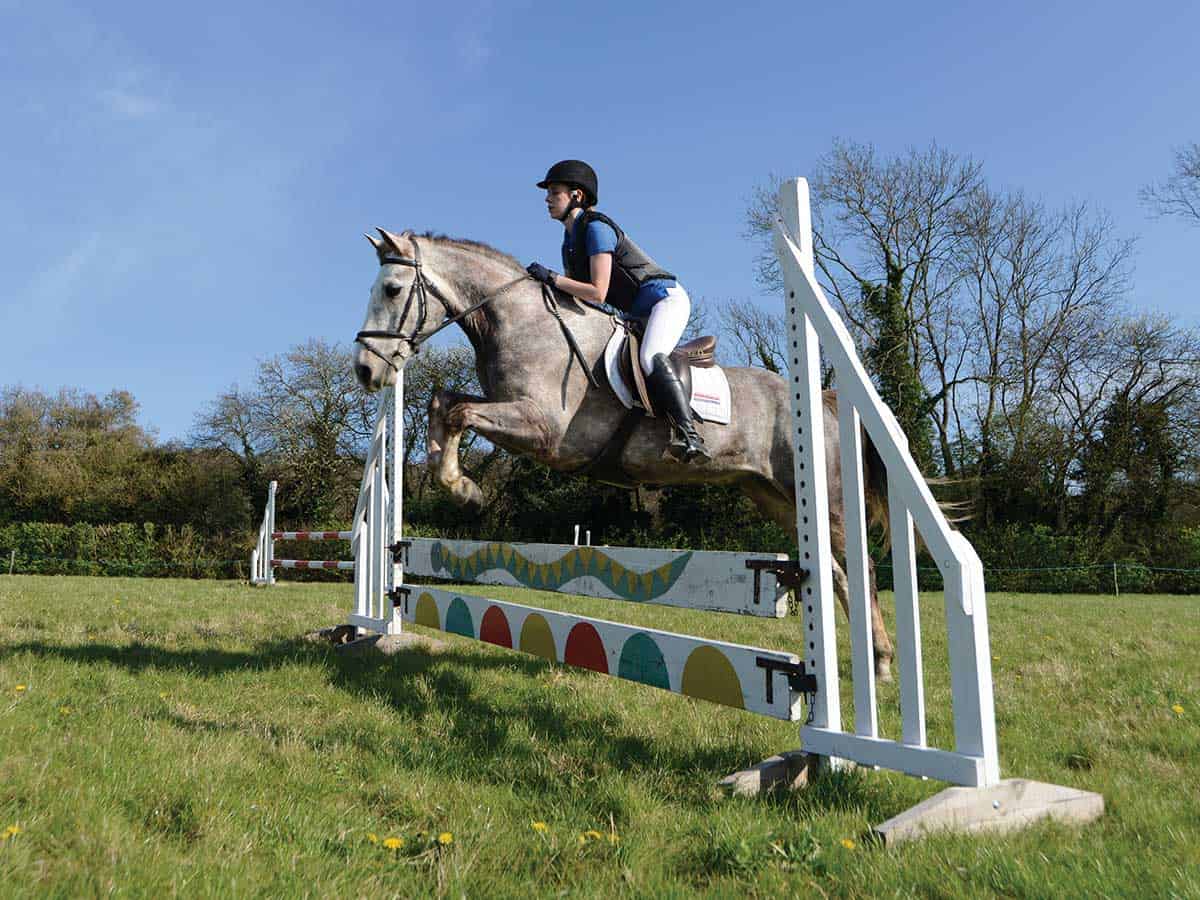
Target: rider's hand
541, 273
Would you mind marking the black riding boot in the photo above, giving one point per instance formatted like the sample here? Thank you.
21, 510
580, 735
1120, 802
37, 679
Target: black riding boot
668, 395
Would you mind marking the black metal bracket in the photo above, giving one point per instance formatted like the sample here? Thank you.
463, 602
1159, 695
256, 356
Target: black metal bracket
799, 679
788, 574
400, 547
399, 597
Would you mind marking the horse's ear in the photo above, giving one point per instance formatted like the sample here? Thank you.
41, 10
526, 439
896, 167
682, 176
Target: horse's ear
375, 242
392, 240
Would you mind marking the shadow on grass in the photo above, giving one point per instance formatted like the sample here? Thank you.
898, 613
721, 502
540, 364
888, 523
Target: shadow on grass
470, 725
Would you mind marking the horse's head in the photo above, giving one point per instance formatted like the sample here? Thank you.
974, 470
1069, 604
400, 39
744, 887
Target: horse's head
404, 307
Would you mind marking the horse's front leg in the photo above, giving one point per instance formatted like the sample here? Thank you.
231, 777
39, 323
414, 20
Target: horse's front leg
518, 426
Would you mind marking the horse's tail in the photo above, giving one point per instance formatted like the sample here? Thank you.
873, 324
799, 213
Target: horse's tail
875, 475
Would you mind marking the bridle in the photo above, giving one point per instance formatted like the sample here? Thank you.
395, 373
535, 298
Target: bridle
419, 293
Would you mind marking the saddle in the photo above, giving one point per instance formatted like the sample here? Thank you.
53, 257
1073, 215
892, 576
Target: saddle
698, 352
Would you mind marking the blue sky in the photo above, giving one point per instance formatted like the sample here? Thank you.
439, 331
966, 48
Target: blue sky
182, 193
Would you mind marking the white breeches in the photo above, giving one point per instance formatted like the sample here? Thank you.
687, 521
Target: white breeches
665, 326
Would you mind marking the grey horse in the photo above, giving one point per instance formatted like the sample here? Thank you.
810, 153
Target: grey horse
539, 402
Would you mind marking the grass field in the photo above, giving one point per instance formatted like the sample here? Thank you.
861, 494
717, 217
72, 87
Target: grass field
181, 737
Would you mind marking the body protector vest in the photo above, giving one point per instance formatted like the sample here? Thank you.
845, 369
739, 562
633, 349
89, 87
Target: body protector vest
631, 266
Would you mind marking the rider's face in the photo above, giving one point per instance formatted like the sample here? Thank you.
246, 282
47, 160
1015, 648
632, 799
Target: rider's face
558, 200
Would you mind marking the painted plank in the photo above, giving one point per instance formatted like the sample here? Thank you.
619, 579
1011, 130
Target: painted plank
369, 622
313, 563
944, 765
312, 535
854, 520
708, 580
908, 623
697, 667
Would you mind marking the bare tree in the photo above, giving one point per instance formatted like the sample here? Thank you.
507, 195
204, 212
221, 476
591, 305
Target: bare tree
756, 336
1179, 194
1039, 290
885, 235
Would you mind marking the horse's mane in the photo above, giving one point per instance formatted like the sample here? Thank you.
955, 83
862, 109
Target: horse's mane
487, 249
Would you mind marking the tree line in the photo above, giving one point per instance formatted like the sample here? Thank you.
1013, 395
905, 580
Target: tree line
998, 328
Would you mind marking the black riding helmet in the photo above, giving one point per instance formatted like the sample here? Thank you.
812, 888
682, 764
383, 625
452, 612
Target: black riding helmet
574, 173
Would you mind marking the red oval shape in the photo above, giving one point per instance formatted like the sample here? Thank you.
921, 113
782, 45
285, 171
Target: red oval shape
494, 628
585, 649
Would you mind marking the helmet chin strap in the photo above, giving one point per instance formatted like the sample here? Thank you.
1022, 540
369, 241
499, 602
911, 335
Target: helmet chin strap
571, 207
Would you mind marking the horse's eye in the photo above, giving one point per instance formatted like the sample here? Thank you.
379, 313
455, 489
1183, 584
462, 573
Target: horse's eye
392, 289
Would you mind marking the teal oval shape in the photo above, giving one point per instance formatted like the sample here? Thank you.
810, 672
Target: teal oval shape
642, 661
458, 619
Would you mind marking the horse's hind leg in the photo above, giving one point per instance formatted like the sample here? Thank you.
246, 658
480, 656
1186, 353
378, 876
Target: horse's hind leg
517, 426
771, 501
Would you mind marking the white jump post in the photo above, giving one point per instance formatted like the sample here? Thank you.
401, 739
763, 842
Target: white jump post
812, 327
261, 569
378, 518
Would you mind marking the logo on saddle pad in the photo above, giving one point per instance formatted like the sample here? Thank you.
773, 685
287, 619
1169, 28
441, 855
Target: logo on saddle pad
710, 396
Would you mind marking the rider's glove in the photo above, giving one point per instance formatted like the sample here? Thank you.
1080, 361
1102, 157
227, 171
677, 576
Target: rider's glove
541, 273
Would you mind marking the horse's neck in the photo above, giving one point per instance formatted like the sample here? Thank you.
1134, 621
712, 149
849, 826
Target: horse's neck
475, 274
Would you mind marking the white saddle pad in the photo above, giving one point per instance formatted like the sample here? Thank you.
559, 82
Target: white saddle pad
710, 388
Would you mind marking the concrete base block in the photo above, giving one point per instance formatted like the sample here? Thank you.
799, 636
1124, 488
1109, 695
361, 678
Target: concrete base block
1007, 806
391, 644
346, 639
786, 771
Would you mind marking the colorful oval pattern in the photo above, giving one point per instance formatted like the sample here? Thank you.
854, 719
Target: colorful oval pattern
641, 660
586, 649
536, 638
427, 612
494, 628
709, 675
458, 618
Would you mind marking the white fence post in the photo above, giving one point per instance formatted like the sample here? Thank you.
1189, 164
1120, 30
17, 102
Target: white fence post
270, 532
812, 503
397, 529
812, 327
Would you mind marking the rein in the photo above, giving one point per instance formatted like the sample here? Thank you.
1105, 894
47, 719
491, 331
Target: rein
419, 291
422, 287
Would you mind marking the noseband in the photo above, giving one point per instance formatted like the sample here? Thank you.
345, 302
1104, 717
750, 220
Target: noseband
418, 292
422, 287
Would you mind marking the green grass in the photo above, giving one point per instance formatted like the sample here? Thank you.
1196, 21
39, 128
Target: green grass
180, 737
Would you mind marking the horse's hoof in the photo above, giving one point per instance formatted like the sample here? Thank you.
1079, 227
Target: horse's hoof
468, 495
883, 670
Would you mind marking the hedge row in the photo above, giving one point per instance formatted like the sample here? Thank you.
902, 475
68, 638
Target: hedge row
1014, 558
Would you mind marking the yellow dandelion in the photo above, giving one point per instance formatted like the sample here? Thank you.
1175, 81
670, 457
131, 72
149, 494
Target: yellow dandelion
372, 837
20, 688
393, 843
64, 710
593, 835
848, 844
11, 831
445, 838
582, 839
540, 827
1177, 709
162, 695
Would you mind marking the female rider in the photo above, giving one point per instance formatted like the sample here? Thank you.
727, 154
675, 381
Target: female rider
603, 265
